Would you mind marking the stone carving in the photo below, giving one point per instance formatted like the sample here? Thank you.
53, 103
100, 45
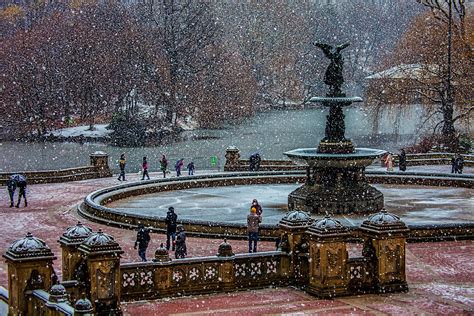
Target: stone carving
211, 273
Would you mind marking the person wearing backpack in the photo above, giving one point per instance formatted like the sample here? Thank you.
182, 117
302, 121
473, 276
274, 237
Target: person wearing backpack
143, 239
21, 185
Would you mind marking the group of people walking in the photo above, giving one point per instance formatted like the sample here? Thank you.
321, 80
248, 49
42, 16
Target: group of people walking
17, 181
122, 162
176, 235
388, 161
457, 164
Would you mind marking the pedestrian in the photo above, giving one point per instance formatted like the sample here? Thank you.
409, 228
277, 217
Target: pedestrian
258, 159
181, 250
143, 239
253, 223
163, 165
170, 221
145, 169
179, 164
190, 168
453, 163
122, 163
21, 185
389, 162
11, 185
459, 164
252, 162
257, 206
402, 161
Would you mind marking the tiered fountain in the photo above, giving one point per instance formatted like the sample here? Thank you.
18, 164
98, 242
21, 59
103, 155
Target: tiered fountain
335, 181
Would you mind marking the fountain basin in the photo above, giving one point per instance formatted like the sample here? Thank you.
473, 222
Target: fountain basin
361, 157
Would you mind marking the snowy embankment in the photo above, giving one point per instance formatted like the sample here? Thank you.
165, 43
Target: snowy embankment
99, 131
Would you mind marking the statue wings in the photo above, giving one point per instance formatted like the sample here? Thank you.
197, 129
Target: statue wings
326, 48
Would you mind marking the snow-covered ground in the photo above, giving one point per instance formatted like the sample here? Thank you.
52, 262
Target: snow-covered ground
83, 130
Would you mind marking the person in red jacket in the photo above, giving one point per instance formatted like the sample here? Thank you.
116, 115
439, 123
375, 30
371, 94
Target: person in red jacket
145, 169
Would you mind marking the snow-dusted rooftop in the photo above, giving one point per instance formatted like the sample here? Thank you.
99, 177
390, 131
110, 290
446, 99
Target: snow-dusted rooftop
405, 71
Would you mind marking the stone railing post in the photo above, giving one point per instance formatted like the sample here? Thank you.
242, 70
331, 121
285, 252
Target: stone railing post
232, 156
293, 241
100, 160
328, 275
70, 242
226, 270
102, 254
30, 267
385, 242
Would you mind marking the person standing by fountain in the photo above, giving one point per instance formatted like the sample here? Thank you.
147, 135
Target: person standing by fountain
257, 206
191, 168
253, 224
402, 160
143, 239
170, 221
181, 250
145, 169
163, 165
122, 163
389, 162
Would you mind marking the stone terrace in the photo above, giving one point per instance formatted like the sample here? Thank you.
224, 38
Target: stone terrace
439, 274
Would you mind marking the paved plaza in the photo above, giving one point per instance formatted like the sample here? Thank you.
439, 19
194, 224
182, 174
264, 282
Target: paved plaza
439, 274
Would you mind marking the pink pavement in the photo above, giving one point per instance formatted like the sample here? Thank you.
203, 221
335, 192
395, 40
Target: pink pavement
439, 274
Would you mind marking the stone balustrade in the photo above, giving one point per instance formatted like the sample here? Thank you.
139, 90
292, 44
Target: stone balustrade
312, 256
99, 168
234, 163
193, 276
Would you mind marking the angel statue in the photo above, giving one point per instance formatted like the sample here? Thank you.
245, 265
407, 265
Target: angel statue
333, 76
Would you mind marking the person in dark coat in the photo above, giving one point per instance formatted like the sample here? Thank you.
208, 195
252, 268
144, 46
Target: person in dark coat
21, 185
453, 164
190, 168
459, 164
122, 163
11, 186
163, 165
145, 169
402, 161
257, 206
258, 159
170, 221
143, 239
181, 250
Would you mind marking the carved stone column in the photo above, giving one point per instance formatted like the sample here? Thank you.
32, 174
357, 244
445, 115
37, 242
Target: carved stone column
70, 242
328, 275
30, 267
293, 240
226, 267
386, 239
232, 156
102, 255
100, 160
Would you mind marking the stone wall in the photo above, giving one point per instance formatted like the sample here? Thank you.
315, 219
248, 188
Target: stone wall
98, 169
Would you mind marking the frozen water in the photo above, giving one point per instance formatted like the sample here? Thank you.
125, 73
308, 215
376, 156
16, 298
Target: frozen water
415, 204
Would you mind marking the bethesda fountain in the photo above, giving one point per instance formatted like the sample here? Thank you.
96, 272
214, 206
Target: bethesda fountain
335, 172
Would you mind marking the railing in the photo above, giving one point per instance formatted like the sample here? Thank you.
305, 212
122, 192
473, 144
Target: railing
360, 274
202, 275
39, 303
